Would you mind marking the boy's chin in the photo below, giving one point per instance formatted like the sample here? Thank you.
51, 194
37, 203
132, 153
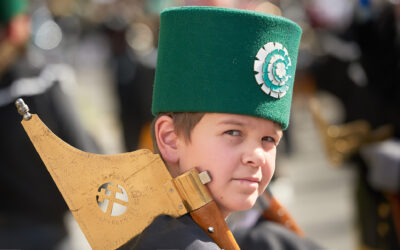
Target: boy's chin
236, 204
244, 205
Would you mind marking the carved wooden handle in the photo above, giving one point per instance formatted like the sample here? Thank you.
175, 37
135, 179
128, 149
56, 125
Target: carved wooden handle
210, 219
277, 213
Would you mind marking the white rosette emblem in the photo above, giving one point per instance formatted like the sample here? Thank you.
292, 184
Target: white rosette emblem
273, 67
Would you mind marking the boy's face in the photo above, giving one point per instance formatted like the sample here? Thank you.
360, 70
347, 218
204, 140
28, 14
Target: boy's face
239, 153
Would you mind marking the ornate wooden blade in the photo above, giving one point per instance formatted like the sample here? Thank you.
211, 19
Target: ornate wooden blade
112, 197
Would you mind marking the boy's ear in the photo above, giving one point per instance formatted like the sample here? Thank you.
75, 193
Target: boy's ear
166, 138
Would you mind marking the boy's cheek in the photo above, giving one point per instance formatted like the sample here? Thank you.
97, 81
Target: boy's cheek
267, 175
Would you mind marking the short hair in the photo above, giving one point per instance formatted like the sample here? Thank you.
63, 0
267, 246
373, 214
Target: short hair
184, 122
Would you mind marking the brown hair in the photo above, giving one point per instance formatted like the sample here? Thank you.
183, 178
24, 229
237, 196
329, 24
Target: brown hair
184, 122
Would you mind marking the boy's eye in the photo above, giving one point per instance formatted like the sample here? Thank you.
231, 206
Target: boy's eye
269, 139
233, 132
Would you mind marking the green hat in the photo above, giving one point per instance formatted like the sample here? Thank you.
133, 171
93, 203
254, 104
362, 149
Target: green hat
11, 8
219, 60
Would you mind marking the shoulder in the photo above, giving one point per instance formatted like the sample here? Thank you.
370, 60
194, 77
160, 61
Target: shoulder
166, 232
270, 235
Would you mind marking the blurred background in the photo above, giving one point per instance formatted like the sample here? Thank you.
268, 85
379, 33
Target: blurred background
86, 67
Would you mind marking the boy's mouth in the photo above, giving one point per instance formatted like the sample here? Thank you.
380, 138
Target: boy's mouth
248, 181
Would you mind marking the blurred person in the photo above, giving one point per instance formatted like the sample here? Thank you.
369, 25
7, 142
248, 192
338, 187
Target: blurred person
377, 32
133, 64
361, 66
32, 211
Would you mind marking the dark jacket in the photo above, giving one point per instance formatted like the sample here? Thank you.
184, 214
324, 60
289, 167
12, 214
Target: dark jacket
183, 233
166, 232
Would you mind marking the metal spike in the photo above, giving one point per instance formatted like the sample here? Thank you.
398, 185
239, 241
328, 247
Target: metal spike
23, 109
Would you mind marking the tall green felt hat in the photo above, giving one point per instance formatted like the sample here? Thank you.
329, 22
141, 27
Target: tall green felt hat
219, 60
11, 8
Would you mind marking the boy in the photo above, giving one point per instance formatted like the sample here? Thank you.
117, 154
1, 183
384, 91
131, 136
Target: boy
222, 96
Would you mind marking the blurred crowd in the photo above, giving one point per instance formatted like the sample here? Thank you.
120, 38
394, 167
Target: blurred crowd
350, 50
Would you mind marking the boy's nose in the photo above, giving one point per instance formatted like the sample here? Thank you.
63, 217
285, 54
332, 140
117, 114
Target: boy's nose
254, 157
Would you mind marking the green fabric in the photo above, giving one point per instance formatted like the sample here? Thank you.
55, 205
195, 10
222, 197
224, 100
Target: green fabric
10, 8
206, 62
